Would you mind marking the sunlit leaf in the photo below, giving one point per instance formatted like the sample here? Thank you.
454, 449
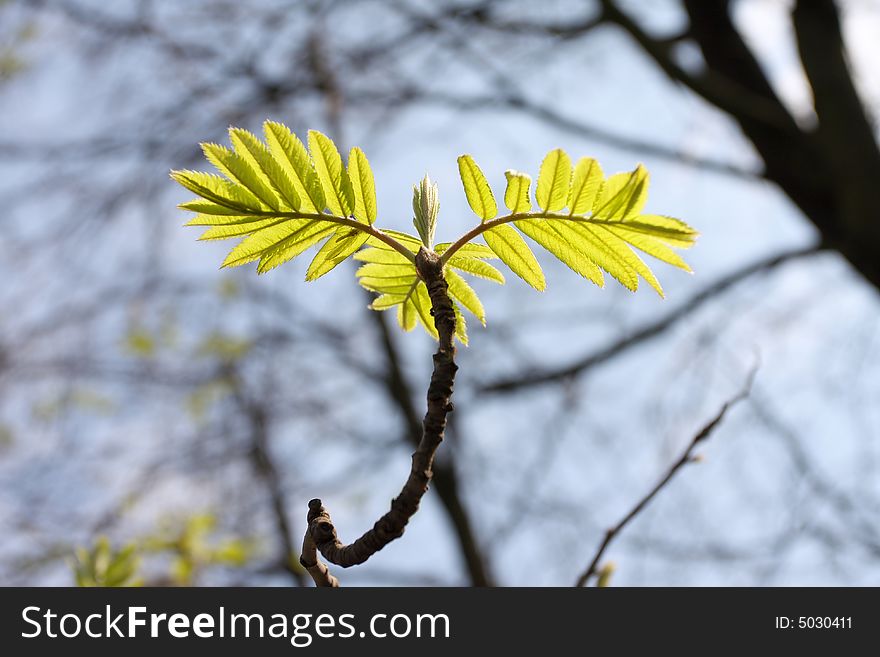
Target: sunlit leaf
554, 181
516, 196
476, 188
515, 253
335, 182
292, 156
239, 170
622, 196
585, 184
363, 186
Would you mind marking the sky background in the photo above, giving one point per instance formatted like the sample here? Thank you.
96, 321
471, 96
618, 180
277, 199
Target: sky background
92, 125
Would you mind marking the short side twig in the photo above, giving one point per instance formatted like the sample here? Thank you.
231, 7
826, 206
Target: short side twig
391, 525
314, 566
686, 457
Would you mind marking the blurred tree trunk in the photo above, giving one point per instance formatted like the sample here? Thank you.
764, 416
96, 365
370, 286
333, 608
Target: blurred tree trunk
830, 170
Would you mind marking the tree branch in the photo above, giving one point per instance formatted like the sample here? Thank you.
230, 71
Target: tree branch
653, 330
391, 525
686, 457
267, 471
314, 566
445, 476
755, 102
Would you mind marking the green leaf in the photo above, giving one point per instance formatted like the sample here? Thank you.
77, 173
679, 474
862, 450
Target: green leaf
616, 245
207, 207
476, 267
604, 254
239, 170
377, 255
422, 303
386, 301
672, 231
291, 247
465, 295
228, 231
387, 270
230, 220
292, 156
460, 325
559, 239
471, 249
363, 186
406, 312
251, 149
554, 181
622, 196
515, 253
272, 237
338, 191
650, 245
335, 250
411, 242
476, 188
516, 196
588, 178
220, 191
382, 278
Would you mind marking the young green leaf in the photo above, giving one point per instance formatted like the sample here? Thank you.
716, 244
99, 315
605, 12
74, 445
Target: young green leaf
471, 249
605, 255
515, 253
292, 156
554, 181
219, 190
559, 239
252, 247
476, 267
613, 243
406, 311
476, 188
208, 208
228, 231
426, 206
338, 191
239, 170
460, 325
516, 196
374, 254
622, 196
228, 220
258, 156
585, 184
335, 250
291, 247
411, 242
422, 303
649, 244
672, 231
363, 186
465, 295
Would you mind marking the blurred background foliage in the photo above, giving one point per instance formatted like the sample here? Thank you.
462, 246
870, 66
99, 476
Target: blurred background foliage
140, 386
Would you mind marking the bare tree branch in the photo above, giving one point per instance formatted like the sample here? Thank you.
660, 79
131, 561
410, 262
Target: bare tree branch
445, 476
265, 467
653, 330
686, 457
314, 566
392, 524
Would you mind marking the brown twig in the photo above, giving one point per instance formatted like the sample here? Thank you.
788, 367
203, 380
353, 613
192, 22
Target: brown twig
446, 477
392, 524
315, 567
686, 457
